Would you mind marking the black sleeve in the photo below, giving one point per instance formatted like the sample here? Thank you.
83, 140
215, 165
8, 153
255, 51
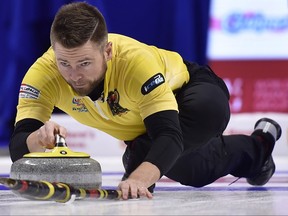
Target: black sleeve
18, 146
167, 141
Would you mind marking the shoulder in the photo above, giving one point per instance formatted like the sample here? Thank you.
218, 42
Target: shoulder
45, 66
126, 46
47, 61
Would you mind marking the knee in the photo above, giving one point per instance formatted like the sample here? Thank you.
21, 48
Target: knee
194, 183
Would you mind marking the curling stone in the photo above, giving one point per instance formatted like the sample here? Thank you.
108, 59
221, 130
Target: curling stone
59, 165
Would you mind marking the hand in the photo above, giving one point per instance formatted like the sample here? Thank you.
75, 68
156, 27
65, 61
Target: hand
46, 134
133, 189
44, 137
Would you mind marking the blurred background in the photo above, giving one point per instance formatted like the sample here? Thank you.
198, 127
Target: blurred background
244, 41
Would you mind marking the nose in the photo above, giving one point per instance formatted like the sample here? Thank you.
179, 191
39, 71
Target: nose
74, 75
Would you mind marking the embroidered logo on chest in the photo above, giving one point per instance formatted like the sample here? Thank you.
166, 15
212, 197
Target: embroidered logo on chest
113, 101
78, 105
152, 83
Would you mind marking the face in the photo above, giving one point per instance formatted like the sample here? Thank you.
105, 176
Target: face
83, 67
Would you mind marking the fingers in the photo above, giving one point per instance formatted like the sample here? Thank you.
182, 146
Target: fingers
46, 134
142, 191
133, 189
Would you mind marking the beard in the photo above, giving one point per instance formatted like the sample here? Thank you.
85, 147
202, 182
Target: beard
87, 89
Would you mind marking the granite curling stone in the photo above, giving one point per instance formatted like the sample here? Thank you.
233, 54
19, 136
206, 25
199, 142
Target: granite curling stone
59, 165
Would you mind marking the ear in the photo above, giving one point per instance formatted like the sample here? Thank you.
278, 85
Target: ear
108, 51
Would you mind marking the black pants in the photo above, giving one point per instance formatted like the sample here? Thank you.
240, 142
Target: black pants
208, 155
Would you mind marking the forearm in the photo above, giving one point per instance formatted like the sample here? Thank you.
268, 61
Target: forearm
23, 143
166, 140
31, 135
164, 152
17, 145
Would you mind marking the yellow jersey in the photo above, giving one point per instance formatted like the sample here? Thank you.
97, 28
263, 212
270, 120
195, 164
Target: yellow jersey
140, 80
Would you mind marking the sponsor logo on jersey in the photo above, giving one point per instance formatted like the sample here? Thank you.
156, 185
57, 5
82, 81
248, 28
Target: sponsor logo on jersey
78, 105
28, 91
113, 101
152, 83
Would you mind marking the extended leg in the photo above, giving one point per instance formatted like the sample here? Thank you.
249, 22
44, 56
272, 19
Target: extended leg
238, 155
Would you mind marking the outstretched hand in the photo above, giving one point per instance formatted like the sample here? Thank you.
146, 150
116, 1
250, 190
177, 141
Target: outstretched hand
136, 185
131, 188
46, 134
44, 137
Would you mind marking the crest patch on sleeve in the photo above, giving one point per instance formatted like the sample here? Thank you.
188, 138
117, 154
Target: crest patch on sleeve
28, 91
152, 83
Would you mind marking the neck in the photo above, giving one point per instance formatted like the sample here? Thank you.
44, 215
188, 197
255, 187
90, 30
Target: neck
96, 92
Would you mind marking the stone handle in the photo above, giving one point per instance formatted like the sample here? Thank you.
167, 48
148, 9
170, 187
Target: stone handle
60, 141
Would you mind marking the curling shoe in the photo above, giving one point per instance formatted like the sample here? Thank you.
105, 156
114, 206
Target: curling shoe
271, 132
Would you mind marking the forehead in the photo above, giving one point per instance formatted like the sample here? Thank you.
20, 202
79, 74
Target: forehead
87, 50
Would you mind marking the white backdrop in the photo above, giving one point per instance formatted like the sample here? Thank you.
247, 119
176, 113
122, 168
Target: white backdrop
89, 140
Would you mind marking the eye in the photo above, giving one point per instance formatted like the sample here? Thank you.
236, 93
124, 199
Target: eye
83, 64
64, 64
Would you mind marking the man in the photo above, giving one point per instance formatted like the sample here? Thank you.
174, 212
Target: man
171, 113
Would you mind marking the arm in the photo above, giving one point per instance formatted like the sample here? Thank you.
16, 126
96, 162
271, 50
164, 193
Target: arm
31, 135
165, 132
22, 130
